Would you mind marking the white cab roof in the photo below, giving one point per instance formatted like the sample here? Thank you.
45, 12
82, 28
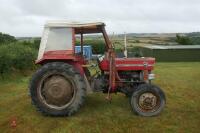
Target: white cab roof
62, 23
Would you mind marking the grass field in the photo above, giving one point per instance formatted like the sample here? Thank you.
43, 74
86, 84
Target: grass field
180, 81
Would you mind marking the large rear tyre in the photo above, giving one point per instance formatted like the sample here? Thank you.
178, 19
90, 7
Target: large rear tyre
147, 100
56, 89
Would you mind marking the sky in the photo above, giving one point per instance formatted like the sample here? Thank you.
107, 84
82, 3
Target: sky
25, 18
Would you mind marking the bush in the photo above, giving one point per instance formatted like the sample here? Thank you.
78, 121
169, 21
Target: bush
32, 44
135, 52
16, 56
183, 40
5, 38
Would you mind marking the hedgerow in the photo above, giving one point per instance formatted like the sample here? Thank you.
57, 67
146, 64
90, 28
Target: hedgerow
5, 39
17, 56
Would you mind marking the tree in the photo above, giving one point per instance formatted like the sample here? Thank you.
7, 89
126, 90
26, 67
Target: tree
183, 40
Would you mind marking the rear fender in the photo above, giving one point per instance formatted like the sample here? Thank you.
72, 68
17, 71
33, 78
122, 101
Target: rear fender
77, 65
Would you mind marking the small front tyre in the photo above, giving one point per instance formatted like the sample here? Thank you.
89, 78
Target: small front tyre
147, 100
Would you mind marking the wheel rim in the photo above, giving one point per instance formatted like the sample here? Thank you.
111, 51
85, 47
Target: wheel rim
56, 91
148, 102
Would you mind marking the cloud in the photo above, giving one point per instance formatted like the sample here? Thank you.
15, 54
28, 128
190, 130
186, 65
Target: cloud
27, 17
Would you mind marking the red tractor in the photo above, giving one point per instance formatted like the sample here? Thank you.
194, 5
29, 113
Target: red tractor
60, 86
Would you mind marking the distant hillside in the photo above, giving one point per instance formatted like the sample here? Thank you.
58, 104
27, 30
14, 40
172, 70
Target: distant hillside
27, 38
163, 35
138, 38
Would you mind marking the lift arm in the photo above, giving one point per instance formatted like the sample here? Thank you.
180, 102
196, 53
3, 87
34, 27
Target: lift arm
111, 57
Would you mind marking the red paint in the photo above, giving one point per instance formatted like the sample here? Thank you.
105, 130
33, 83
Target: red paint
58, 55
129, 64
64, 56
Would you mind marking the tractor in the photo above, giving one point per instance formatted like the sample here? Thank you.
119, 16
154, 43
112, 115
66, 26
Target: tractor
59, 87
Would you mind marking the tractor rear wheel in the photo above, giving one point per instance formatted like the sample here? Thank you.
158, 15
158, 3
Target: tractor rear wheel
147, 100
56, 89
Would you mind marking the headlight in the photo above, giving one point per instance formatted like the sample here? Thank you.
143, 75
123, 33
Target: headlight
151, 76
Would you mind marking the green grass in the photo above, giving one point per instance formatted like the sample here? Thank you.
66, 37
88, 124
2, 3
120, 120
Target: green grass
180, 81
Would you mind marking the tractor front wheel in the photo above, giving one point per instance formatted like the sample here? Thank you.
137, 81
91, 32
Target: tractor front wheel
147, 100
56, 89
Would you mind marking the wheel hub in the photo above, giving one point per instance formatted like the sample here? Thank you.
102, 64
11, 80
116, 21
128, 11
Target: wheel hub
57, 90
147, 101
